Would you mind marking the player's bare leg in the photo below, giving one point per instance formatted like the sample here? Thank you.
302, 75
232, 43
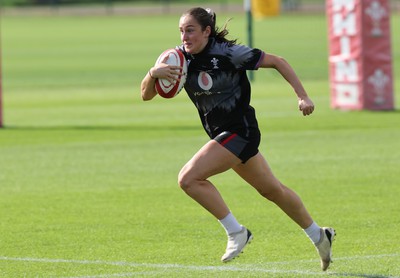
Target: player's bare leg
259, 175
208, 161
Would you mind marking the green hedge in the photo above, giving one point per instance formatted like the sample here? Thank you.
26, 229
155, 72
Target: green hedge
83, 2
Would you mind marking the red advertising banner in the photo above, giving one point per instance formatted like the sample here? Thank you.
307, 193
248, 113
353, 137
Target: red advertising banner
1, 84
360, 58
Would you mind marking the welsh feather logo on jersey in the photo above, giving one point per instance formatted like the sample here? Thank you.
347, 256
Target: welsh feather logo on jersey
205, 81
214, 61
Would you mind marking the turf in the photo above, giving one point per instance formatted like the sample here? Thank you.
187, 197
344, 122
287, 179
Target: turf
88, 171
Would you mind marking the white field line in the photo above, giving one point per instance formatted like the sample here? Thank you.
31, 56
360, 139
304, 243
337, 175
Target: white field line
243, 268
127, 274
269, 267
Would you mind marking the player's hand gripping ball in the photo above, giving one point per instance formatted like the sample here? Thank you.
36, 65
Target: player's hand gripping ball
164, 87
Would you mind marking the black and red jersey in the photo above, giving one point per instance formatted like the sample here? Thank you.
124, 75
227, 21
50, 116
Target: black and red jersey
217, 84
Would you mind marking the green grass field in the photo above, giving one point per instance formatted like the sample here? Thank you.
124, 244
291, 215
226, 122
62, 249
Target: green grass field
88, 171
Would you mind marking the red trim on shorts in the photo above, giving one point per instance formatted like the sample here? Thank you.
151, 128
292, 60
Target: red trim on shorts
226, 141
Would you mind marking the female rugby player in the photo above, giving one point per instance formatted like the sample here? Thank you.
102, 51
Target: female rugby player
219, 88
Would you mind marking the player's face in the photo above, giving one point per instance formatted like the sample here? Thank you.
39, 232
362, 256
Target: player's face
193, 37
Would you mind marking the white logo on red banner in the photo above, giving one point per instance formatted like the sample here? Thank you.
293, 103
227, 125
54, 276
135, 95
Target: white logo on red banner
360, 59
379, 80
376, 12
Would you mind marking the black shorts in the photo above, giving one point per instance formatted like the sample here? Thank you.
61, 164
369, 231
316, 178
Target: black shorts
243, 147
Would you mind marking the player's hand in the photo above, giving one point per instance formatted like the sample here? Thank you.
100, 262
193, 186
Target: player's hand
306, 106
165, 71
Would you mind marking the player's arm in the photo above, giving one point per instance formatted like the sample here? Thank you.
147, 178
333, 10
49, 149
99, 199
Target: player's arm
283, 67
148, 88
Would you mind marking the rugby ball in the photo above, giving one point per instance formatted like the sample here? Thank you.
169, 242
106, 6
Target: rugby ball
165, 88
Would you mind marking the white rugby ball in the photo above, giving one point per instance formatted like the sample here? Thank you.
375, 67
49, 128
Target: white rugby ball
165, 88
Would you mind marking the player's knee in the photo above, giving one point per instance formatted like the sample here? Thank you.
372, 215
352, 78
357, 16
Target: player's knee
188, 181
184, 180
272, 193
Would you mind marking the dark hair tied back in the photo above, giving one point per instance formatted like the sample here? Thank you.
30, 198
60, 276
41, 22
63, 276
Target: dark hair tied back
207, 17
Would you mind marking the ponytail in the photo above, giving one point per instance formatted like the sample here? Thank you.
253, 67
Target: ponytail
207, 17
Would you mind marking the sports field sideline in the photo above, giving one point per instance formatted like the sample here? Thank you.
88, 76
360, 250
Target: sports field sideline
88, 171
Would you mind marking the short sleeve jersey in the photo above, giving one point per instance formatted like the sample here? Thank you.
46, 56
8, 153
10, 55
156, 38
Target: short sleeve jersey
217, 84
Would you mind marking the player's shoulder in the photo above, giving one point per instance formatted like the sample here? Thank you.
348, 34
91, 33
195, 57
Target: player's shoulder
220, 46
